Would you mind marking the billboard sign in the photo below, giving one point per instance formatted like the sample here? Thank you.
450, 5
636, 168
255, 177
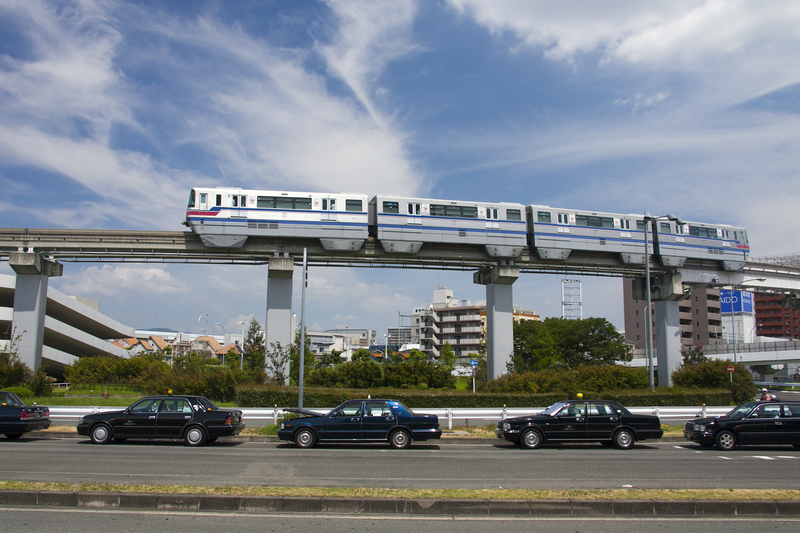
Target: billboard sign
736, 301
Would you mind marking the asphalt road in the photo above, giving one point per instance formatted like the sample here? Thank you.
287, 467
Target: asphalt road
481, 466
86, 520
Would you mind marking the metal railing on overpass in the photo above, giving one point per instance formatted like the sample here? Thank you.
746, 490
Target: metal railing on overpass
448, 417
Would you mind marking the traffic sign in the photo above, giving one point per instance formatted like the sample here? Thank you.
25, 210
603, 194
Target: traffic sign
731, 369
473, 362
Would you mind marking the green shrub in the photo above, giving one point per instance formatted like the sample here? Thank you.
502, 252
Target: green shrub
714, 375
22, 392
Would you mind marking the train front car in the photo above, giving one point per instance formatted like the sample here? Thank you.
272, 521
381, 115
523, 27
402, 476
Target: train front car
404, 224
675, 243
225, 217
556, 233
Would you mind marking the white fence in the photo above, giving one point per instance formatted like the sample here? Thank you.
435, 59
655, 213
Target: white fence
257, 417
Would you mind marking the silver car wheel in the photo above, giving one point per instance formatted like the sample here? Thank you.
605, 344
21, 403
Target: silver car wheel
726, 441
400, 439
305, 438
101, 434
623, 439
531, 439
195, 436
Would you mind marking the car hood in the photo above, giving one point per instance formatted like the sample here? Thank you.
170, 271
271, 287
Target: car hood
301, 411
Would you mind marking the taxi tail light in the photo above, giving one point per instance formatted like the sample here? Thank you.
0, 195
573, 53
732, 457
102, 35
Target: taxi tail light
27, 415
230, 421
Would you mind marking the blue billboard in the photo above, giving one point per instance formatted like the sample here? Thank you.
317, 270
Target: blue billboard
736, 301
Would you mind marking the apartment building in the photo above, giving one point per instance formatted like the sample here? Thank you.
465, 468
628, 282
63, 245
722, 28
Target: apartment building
772, 320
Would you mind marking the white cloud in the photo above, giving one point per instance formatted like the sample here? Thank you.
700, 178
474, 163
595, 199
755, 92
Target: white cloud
115, 281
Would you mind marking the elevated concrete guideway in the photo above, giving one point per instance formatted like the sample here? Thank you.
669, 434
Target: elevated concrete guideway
282, 255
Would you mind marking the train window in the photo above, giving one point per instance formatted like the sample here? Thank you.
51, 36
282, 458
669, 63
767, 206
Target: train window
437, 210
305, 203
453, 210
664, 227
513, 214
410, 209
235, 201
243, 201
282, 202
488, 213
559, 218
696, 231
391, 207
594, 221
203, 198
640, 225
417, 210
324, 204
352, 205
544, 216
265, 202
472, 212
333, 204
191, 199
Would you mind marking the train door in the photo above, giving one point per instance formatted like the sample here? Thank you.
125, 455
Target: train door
329, 209
414, 210
202, 201
564, 220
680, 232
238, 206
492, 220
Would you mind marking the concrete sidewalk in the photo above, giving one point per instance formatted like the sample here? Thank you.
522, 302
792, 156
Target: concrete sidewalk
395, 506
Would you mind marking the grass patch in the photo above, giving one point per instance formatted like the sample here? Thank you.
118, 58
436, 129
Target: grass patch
439, 494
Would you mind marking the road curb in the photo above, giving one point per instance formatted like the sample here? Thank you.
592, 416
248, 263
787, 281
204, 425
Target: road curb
433, 507
274, 438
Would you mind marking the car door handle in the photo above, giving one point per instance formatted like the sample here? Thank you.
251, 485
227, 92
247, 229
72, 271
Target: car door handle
389, 418
188, 417
151, 417
355, 419
778, 423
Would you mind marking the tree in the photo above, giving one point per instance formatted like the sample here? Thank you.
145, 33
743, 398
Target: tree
693, 356
714, 375
309, 361
447, 357
13, 372
558, 342
361, 355
276, 360
255, 346
328, 360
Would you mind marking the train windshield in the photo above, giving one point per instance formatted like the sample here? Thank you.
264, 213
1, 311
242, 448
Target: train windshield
191, 198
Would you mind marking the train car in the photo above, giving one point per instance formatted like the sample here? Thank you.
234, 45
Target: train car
554, 233
675, 243
403, 224
226, 216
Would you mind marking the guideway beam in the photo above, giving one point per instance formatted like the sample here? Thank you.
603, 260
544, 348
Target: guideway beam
30, 303
279, 304
499, 315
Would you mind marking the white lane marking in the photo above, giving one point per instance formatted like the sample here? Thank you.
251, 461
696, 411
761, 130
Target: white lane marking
726, 458
766, 458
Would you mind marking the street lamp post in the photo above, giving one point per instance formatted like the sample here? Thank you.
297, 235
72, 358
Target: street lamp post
733, 315
241, 348
223, 341
204, 329
648, 330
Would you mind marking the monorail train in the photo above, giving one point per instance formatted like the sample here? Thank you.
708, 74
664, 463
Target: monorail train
226, 217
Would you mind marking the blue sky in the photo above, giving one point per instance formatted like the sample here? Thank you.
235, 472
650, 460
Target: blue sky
111, 111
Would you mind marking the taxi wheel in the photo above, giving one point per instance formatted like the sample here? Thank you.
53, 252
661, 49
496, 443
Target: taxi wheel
13, 436
725, 441
623, 439
531, 439
400, 439
305, 438
194, 436
101, 434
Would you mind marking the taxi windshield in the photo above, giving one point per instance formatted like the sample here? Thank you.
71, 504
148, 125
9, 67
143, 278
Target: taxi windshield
553, 409
9, 398
742, 411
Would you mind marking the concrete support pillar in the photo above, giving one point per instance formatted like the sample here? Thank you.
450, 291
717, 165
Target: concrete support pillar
30, 303
668, 340
279, 303
499, 316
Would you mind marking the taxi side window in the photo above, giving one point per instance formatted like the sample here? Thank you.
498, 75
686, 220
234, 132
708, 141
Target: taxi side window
147, 406
767, 411
573, 410
377, 409
598, 409
791, 411
351, 409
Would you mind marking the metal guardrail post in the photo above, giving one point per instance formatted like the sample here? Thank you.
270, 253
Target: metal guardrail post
275, 414
703, 411
449, 418
505, 413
